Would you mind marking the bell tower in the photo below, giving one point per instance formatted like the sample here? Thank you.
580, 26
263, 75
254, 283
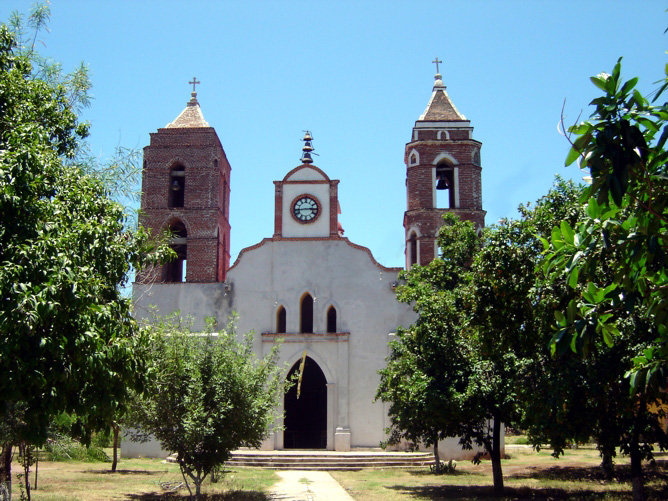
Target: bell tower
442, 174
186, 190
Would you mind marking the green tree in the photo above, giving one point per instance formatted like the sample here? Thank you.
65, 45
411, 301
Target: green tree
68, 342
457, 371
623, 147
427, 371
576, 398
208, 395
503, 338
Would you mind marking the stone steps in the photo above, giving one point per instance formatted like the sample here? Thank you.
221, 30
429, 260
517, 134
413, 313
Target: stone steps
329, 460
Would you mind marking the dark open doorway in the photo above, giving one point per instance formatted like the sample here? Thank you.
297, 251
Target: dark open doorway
306, 416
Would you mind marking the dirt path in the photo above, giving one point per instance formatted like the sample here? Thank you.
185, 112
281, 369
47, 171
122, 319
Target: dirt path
302, 485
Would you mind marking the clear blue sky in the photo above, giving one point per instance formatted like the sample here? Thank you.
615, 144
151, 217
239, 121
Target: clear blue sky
357, 74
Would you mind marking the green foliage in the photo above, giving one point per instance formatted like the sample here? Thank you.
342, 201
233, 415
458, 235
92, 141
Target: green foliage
63, 448
427, 371
574, 399
623, 146
208, 395
68, 342
425, 377
480, 354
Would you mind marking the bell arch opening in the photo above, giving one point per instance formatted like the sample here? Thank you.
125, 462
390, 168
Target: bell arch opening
177, 186
445, 187
305, 408
175, 271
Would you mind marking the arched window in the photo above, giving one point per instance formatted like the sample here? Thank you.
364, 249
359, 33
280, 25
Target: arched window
177, 186
445, 187
331, 319
175, 271
306, 313
412, 250
280, 320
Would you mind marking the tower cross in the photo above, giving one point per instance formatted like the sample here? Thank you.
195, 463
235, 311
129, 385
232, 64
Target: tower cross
194, 82
436, 61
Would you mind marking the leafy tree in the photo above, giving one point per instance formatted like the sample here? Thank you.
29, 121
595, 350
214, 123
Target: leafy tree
457, 370
208, 395
503, 335
68, 342
427, 371
623, 146
576, 398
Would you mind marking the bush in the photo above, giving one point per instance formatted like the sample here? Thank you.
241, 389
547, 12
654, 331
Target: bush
101, 439
65, 449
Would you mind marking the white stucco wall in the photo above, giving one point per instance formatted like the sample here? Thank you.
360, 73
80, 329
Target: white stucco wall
335, 272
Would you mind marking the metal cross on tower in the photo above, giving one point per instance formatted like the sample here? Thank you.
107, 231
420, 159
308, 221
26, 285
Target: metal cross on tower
436, 61
194, 82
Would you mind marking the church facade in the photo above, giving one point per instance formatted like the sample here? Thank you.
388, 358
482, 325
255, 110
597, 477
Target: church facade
326, 298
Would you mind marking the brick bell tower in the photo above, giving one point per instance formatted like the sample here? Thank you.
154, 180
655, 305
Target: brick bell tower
186, 189
442, 174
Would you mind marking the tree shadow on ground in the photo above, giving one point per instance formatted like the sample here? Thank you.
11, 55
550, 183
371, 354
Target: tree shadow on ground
658, 470
656, 473
456, 473
125, 472
227, 496
435, 493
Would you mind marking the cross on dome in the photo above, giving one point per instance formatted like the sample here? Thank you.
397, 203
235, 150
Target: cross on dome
436, 61
194, 82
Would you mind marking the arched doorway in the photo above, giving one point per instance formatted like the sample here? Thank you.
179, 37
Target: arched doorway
306, 416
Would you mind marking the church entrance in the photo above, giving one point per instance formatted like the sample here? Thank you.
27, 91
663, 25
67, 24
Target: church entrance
306, 416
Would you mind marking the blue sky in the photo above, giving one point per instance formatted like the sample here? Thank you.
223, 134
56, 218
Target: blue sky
357, 74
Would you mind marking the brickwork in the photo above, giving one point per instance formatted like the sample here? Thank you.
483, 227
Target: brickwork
447, 143
205, 211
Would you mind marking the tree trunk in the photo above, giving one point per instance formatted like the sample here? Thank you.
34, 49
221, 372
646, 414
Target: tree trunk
495, 454
437, 459
6, 469
636, 470
27, 460
114, 463
607, 465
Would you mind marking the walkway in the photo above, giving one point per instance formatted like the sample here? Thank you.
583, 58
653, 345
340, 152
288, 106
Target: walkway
301, 485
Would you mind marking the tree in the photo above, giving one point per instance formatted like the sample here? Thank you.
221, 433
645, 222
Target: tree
208, 395
429, 364
576, 398
68, 342
623, 146
457, 370
503, 338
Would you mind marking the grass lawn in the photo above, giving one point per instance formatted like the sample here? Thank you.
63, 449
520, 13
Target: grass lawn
527, 475
137, 479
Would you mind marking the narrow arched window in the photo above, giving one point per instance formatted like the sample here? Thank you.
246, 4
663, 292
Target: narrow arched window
412, 249
445, 187
177, 186
306, 313
175, 271
280, 320
331, 319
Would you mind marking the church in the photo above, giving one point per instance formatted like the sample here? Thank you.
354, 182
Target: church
324, 296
